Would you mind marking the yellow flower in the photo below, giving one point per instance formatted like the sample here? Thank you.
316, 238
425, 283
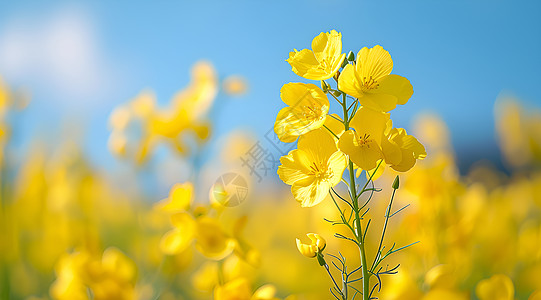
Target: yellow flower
497, 287
370, 81
211, 240
180, 198
239, 289
111, 277
313, 168
310, 250
235, 85
307, 110
401, 150
363, 144
323, 61
179, 238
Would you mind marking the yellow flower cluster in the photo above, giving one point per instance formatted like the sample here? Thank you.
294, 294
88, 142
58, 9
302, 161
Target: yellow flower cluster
111, 277
365, 136
137, 127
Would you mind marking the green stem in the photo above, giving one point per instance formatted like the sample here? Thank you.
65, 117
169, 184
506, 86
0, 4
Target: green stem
387, 216
354, 198
359, 235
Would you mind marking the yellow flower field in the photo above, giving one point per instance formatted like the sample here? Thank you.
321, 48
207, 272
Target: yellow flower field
356, 208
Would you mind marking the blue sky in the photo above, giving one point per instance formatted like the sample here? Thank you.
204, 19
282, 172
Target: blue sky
459, 56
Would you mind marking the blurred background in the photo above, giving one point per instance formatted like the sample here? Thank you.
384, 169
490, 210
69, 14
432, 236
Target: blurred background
80, 77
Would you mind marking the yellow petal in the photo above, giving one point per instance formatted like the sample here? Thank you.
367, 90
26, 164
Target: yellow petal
373, 63
348, 82
303, 63
410, 147
180, 198
298, 94
327, 45
337, 163
378, 101
442, 294
365, 156
396, 85
497, 287
308, 108
211, 240
174, 241
116, 262
376, 172
237, 289
317, 240
294, 167
370, 122
335, 124
311, 194
266, 292
391, 151
319, 145
321, 63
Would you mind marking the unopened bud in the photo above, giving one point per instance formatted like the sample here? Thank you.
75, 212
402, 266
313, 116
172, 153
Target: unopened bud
351, 56
344, 63
396, 183
325, 86
337, 93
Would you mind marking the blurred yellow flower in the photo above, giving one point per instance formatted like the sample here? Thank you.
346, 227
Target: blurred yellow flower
110, 278
323, 61
370, 81
317, 244
240, 289
211, 240
497, 287
235, 85
314, 168
180, 198
307, 110
179, 238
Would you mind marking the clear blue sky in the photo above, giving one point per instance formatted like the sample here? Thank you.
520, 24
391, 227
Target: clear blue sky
459, 56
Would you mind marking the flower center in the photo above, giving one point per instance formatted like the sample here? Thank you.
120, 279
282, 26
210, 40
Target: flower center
311, 113
365, 140
320, 172
369, 83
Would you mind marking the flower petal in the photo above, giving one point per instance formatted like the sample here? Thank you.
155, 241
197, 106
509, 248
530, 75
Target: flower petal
373, 63
364, 156
312, 194
348, 82
396, 85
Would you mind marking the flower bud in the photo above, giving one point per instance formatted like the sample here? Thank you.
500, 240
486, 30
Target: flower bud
396, 183
351, 56
316, 246
345, 63
325, 86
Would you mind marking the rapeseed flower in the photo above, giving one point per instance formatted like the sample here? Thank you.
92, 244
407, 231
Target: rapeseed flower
370, 80
307, 110
314, 168
323, 61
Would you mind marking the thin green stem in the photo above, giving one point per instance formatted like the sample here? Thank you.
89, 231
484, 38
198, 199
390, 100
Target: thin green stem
353, 194
331, 131
359, 235
344, 297
387, 216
